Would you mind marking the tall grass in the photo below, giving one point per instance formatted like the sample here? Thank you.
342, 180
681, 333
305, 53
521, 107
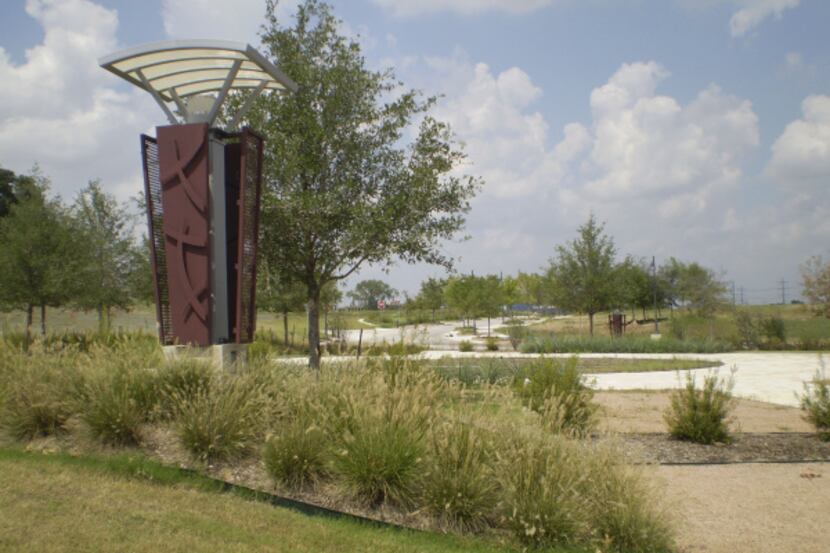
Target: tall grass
36, 393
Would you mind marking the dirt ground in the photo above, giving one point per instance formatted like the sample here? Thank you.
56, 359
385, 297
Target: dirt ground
642, 411
733, 508
749, 508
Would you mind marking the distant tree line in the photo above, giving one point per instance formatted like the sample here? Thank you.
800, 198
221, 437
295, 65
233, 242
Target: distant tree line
83, 255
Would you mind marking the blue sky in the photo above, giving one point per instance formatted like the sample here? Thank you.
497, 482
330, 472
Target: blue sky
694, 129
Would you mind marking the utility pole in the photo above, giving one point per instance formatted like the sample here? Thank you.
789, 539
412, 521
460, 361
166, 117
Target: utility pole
733, 291
783, 284
742, 294
654, 290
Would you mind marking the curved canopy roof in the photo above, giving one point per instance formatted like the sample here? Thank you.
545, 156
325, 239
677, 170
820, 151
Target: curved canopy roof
174, 70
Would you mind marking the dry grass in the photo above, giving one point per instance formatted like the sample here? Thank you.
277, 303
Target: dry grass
49, 507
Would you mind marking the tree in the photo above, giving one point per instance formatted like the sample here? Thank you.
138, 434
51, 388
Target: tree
635, 285
490, 297
39, 253
583, 273
343, 186
815, 279
532, 288
464, 296
7, 179
367, 293
109, 253
277, 293
431, 295
700, 289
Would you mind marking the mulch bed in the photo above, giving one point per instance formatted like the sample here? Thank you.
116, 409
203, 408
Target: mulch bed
762, 447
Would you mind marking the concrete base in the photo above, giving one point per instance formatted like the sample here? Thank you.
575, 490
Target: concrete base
222, 356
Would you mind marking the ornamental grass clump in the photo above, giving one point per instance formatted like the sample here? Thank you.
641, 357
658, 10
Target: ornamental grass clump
458, 486
177, 381
542, 482
815, 402
701, 415
382, 414
297, 454
37, 393
223, 421
115, 403
555, 389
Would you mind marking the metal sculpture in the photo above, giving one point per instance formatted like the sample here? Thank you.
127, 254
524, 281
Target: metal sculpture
202, 186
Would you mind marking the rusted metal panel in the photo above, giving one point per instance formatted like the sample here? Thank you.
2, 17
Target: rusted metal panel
155, 222
250, 183
232, 174
184, 171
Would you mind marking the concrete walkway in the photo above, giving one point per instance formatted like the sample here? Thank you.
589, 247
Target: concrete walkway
774, 377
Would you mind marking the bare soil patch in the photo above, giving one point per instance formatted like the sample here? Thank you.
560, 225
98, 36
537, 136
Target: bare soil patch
750, 508
642, 412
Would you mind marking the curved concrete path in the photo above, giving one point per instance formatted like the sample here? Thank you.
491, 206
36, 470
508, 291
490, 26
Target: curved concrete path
774, 377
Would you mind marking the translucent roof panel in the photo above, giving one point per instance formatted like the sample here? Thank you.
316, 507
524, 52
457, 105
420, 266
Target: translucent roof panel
182, 68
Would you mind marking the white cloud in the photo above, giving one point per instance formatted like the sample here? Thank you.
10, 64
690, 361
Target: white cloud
406, 8
238, 20
645, 145
801, 155
754, 12
60, 110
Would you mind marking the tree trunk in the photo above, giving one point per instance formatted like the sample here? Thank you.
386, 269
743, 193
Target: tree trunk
43, 319
326, 323
29, 318
433, 315
488, 326
591, 324
314, 328
285, 327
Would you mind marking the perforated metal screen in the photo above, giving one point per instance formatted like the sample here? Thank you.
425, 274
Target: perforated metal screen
251, 177
155, 221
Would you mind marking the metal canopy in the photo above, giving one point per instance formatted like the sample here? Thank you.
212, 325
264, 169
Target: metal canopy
177, 70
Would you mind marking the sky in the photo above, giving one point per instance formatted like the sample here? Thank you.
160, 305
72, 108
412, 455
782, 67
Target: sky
694, 129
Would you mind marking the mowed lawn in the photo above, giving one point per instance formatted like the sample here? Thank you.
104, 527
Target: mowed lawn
50, 505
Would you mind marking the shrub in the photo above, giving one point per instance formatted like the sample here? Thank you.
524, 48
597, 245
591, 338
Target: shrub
747, 330
114, 404
296, 456
492, 344
458, 486
701, 414
516, 334
37, 395
222, 421
555, 390
465, 345
774, 329
816, 404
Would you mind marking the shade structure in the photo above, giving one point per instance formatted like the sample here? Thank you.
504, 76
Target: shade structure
177, 70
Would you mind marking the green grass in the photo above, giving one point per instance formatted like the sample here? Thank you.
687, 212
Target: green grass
54, 503
472, 371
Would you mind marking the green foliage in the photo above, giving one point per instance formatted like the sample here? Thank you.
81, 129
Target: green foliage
747, 330
179, 381
774, 329
40, 260
465, 346
701, 415
815, 402
222, 421
583, 272
815, 280
431, 295
491, 344
457, 485
109, 253
555, 390
367, 293
516, 334
344, 187
297, 454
